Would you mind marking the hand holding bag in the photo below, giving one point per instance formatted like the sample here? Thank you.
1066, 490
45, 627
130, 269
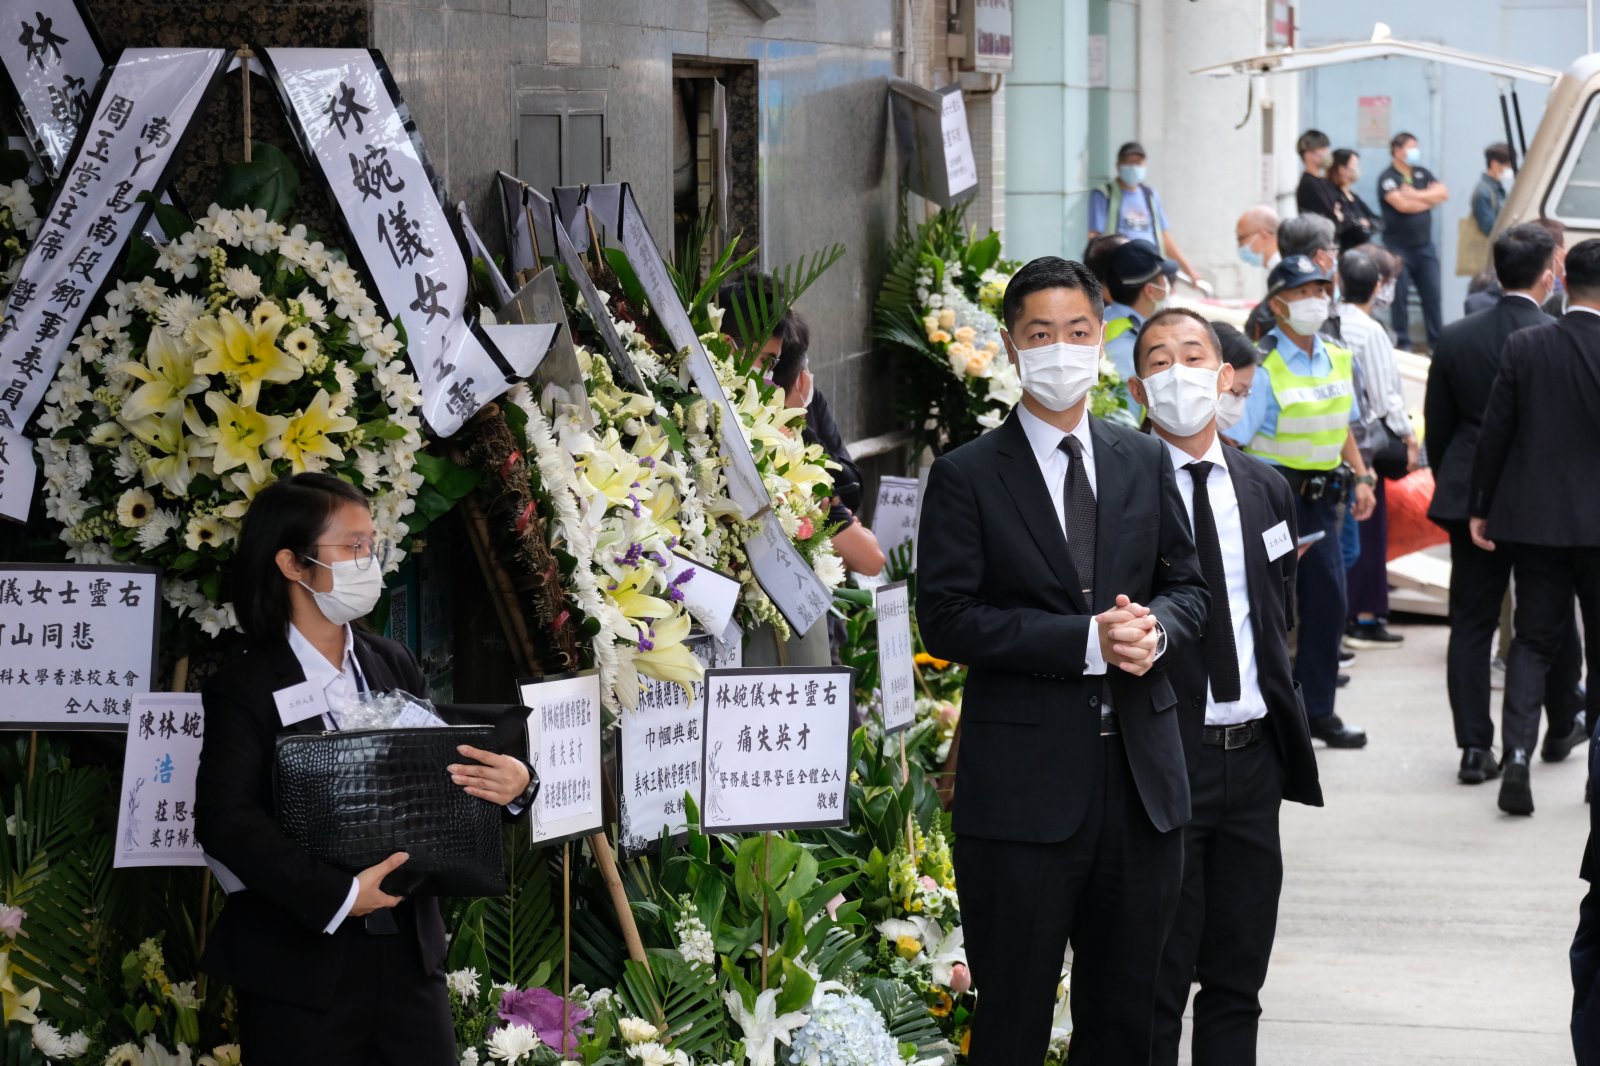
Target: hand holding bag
354, 798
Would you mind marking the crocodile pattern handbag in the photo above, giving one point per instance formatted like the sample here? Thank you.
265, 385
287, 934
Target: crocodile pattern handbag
354, 798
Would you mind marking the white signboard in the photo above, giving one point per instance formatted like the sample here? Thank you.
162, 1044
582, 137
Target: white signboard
136, 123
50, 57
155, 821
786, 577
709, 595
77, 644
777, 749
745, 486
1099, 61
564, 748
349, 118
19, 471
897, 686
661, 751
894, 518
991, 31
961, 168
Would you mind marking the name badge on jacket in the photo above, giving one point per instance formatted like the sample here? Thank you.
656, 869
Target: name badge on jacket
1278, 541
299, 702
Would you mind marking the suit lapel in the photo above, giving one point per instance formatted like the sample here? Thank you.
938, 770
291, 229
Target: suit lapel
1112, 485
1025, 485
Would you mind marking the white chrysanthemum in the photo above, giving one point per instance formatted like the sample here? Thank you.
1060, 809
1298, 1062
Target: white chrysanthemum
315, 311
242, 282
469, 1057
513, 1043
135, 508
51, 1044
154, 533
636, 1030
653, 1054
179, 311
464, 983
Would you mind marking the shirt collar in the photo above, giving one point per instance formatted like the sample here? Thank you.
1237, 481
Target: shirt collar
1216, 454
1585, 310
1524, 296
316, 665
1115, 311
1046, 439
1288, 349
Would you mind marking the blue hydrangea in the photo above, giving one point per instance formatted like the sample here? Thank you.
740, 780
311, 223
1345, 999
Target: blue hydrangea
844, 1030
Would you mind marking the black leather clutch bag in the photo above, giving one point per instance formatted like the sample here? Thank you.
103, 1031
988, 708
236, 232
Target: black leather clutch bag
354, 798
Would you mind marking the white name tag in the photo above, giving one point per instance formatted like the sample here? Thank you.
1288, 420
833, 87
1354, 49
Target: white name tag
299, 702
1278, 540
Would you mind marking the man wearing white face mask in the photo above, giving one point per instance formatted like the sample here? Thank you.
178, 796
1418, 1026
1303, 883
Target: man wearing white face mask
1300, 421
1141, 285
1128, 206
1056, 562
1245, 734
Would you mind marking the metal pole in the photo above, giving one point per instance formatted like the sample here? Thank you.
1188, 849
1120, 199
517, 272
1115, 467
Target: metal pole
1505, 116
1516, 109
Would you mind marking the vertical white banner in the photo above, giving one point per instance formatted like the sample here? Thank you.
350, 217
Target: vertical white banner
896, 682
19, 472
349, 118
785, 576
564, 747
894, 518
136, 124
155, 820
52, 60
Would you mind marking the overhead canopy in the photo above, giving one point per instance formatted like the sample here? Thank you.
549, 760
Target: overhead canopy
1381, 46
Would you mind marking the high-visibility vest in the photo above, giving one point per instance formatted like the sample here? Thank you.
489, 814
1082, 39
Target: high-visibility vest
1113, 191
1117, 327
1313, 413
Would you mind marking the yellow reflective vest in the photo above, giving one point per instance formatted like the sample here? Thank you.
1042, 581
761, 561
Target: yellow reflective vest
1313, 413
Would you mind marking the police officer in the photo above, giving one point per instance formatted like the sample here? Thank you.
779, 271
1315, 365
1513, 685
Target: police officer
1300, 420
1140, 283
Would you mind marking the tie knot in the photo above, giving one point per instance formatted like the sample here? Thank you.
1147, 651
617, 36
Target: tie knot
1072, 446
1199, 470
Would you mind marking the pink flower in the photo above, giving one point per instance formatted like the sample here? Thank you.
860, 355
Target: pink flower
960, 978
948, 713
540, 1008
11, 920
930, 884
833, 906
805, 530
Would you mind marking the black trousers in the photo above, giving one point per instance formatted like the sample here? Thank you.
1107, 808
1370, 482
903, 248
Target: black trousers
385, 1011
1421, 269
1228, 909
1547, 579
1109, 890
1320, 593
1478, 583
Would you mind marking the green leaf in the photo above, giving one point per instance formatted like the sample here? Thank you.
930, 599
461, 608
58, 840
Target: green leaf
907, 1018
796, 990
449, 480
269, 181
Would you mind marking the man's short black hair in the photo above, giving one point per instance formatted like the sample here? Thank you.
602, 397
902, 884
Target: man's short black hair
1359, 276
785, 370
1497, 153
1522, 254
1097, 255
1583, 270
290, 513
1167, 317
1398, 141
1131, 148
1127, 293
1051, 272
1311, 141
1237, 351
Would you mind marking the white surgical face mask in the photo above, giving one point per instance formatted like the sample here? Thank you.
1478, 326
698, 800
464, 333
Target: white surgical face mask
1183, 399
1307, 314
355, 591
1166, 298
1230, 410
1059, 375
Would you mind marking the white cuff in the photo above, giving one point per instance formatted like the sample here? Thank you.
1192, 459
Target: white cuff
1094, 659
515, 808
344, 911
1161, 641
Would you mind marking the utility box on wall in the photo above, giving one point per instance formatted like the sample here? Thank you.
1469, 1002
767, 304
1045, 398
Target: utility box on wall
986, 26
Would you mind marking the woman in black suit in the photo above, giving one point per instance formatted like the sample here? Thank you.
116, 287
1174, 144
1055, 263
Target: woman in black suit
328, 967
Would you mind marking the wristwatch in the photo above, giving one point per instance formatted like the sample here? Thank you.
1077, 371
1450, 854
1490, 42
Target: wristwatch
1367, 479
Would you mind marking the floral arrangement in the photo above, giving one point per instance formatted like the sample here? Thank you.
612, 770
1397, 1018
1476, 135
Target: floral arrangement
842, 1027
250, 351
22, 210
501, 1023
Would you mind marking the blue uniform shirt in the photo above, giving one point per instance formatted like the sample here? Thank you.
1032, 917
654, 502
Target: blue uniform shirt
1120, 350
1261, 409
1137, 214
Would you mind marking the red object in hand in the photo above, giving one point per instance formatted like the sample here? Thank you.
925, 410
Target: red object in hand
1410, 529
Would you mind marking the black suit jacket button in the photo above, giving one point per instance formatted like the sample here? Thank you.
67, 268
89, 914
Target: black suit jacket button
1094, 701
1196, 701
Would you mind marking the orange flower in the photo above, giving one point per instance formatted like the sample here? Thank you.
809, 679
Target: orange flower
966, 1041
942, 1004
924, 659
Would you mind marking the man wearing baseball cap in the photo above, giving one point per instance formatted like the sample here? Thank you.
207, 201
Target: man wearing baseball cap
1300, 421
1128, 206
1140, 283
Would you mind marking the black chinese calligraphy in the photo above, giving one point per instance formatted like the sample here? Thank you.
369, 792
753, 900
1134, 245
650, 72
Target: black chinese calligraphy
41, 40
343, 110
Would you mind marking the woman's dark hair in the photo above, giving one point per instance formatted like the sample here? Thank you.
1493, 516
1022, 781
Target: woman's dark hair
1237, 351
1359, 276
1051, 272
1522, 254
1341, 159
290, 513
792, 330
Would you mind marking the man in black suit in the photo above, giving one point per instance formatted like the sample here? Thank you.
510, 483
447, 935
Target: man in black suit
1533, 496
1585, 954
1460, 378
1245, 734
1058, 567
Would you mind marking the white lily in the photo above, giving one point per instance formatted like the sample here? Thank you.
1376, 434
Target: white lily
764, 1027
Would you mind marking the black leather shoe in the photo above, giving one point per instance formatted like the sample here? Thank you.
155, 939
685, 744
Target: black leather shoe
1341, 681
1554, 749
1477, 766
1334, 733
1346, 656
1516, 793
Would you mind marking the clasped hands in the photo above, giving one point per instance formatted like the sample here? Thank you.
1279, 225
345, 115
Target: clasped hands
1129, 637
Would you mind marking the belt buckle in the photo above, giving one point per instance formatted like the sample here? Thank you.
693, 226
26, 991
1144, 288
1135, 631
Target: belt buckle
1237, 736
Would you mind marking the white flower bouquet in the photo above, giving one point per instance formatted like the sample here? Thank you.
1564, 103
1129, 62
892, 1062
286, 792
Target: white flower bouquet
21, 216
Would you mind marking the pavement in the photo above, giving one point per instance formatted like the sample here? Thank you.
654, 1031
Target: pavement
1418, 924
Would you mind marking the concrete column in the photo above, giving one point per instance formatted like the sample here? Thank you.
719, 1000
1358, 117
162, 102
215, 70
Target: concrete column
1047, 130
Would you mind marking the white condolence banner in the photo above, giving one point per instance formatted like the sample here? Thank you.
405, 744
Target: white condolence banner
18, 472
136, 123
564, 746
51, 60
77, 644
785, 576
155, 822
348, 116
896, 661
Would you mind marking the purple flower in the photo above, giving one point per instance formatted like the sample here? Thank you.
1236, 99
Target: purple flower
648, 462
540, 1008
636, 509
645, 644
635, 551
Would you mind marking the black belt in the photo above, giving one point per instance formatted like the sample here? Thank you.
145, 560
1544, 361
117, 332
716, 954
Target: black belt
1233, 737
1314, 486
1108, 722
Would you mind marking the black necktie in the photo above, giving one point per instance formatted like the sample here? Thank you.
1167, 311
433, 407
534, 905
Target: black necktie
1222, 656
1077, 500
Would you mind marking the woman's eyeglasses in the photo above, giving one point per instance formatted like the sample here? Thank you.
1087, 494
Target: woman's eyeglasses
365, 552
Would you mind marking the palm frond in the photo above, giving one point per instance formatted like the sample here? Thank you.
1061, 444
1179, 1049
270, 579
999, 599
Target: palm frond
908, 1019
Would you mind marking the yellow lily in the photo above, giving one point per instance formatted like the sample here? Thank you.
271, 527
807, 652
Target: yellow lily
240, 435
247, 353
17, 1006
168, 376
611, 472
173, 451
634, 602
669, 658
305, 439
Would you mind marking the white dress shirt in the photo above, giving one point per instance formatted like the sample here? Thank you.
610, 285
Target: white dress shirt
340, 685
1230, 536
1045, 440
